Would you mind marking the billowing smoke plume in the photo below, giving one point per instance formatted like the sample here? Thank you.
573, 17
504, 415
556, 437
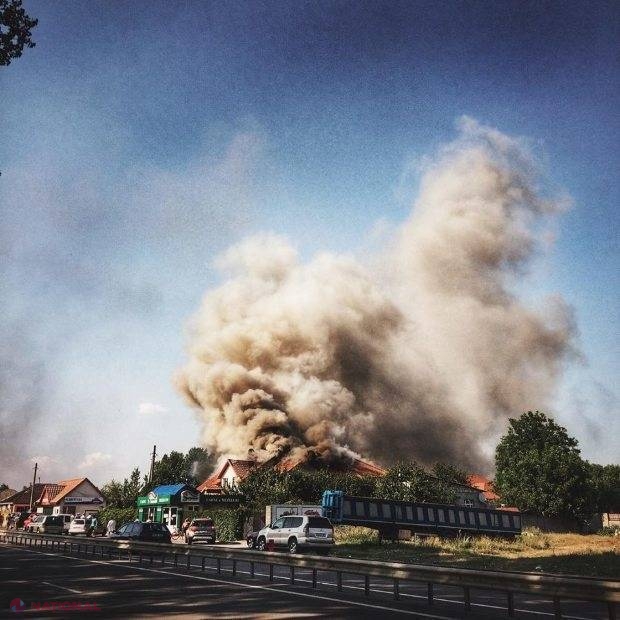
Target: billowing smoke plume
422, 354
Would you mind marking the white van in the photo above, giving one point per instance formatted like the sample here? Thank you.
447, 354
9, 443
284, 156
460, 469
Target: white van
298, 532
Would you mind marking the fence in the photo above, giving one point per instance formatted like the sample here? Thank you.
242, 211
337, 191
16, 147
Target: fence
509, 583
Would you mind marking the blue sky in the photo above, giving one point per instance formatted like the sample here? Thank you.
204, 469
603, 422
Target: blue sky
139, 139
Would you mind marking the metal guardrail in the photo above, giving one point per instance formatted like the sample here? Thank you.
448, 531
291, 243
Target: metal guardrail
510, 583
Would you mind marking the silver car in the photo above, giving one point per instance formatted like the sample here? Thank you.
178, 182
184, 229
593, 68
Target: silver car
296, 533
47, 524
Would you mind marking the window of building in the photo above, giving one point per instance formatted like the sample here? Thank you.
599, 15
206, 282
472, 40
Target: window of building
451, 516
409, 511
398, 512
482, 517
385, 509
468, 503
420, 514
373, 509
441, 515
516, 519
431, 514
346, 507
462, 517
359, 509
505, 521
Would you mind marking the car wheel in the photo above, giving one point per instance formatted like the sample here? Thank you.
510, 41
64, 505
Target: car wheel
262, 544
251, 542
292, 545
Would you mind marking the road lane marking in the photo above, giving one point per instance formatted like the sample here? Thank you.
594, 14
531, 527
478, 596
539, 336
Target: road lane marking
54, 585
284, 578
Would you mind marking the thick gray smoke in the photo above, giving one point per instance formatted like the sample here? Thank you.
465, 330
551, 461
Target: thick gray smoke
422, 354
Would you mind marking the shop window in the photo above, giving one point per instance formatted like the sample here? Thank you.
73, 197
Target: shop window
373, 509
409, 510
420, 514
482, 517
451, 516
398, 512
431, 514
346, 507
505, 521
359, 509
516, 519
462, 517
385, 509
441, 515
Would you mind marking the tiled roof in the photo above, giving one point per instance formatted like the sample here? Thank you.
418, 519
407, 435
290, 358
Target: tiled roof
23, 497
50, 492
6, 493
210, 484
353, 466
242, 469
67, 487
483, 484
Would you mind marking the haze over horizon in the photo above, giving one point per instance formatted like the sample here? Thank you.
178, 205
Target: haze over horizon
138, 143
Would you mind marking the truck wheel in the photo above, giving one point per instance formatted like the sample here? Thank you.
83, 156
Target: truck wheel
292, 545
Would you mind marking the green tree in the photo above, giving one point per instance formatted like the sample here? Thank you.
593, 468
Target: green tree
123, 494
15, 30
191, 468
605, 484
450, 474
539, 468
412, 483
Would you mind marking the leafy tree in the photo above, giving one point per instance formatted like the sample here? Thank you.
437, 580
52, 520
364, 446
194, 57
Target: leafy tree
123, 494
190, 468
411, 482
450, 474
605, 484
539, 468
15, 30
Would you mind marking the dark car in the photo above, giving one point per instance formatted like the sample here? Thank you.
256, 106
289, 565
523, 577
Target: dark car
147, 532
199, 530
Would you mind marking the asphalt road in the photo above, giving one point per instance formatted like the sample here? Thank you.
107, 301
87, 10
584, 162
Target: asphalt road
118, 589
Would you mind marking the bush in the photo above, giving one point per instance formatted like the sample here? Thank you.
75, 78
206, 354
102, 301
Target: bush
610, 530
120, 515
228, 523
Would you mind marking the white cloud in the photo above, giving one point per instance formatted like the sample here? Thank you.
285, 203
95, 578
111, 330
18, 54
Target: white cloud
151, 408
93, 459
44, 460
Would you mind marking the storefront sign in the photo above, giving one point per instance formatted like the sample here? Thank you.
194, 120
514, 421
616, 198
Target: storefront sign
78, 499
221, 500
190, 497
152, 499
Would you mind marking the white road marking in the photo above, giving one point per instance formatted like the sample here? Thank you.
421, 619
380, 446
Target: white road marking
284, 578
54, 585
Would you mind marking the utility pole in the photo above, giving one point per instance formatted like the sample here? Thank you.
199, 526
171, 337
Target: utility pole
152, 473
34, 479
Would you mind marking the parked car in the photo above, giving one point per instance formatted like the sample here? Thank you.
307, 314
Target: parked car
298, 532
47, 524
66, 521
78, 527
148, 532
26, 521
199, 530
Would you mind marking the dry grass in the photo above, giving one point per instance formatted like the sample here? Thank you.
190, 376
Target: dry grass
591, 555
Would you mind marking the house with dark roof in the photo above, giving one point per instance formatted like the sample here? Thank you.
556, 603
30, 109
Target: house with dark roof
19, 501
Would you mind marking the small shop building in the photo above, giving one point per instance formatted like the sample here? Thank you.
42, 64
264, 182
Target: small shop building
75, 496
169, 504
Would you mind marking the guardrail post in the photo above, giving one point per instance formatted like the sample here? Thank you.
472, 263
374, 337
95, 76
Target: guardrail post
467, 597
511, 604
292, 575
396, 589
203, 563
367, 585
271, 572
189, 560
219, 566
611, 608
163, 559
151, 559
339, 581
176, 560
314, 574
251, 569
557, 609
234, 568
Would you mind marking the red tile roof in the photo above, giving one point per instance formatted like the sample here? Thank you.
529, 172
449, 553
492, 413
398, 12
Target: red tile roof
22, 498
483, 484
240, 468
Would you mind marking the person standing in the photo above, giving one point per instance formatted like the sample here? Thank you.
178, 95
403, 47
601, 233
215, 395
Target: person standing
110, 528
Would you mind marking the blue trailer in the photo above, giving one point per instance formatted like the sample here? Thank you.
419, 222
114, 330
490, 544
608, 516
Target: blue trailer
389, 516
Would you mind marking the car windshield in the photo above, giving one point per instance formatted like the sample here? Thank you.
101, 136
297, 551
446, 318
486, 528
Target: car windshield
202, 523
78, 521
